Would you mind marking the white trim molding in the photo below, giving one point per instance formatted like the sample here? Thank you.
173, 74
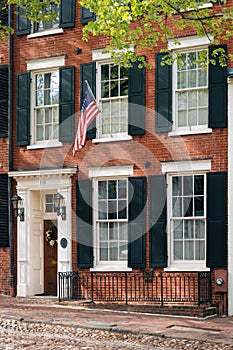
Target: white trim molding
45, 63
113, 170
191, 165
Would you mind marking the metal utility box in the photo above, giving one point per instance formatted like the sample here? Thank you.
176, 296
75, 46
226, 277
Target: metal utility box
220, 281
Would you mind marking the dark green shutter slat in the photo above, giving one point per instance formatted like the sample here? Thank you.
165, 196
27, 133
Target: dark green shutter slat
137, 222
23, 24
67, 13
217, 92
216, 220
163, 101
158, 221
88, 72
4, 16
136, 105
86, 15
84, 223
4, 214
23, 109
66, 104
4, 101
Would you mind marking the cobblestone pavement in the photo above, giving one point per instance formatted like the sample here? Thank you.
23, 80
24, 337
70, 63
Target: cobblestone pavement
15, 335
43, 323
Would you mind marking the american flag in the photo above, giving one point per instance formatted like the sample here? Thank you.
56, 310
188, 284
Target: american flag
89, 112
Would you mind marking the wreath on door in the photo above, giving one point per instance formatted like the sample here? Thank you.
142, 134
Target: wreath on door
51, 236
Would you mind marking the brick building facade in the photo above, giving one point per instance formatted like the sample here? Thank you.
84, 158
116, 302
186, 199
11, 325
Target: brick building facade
145, 199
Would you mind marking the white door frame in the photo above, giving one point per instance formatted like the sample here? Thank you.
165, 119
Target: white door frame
57, 180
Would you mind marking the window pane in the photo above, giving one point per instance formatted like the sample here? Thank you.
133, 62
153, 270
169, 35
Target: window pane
124, 87
199, 206
112, 189
105, 88
178, 229
182, 119
178, 250
203, 116
103, 251
102, 210
113, 231
192, 79
188, 185
200, 250
177, 207
39, 133
202, 78
203, 98
199, 185
188, 229
48, 132
200, 229
122, 209
188, 250
188, 206
105, 72
123, 252
192, 99
102, 190
122, 189
123, 231
192, 117
176, 186
113, 251
112, 210
114, 88
103, 231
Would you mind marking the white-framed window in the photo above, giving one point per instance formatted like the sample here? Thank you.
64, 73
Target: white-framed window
49, 203
111, 222
112, 97
187, 220
190, 91
42, 25
45, 105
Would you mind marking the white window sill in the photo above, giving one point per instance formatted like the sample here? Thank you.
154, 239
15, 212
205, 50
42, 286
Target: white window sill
190, 132
45, 144
110, 269
186, 267
113, 139
45, 32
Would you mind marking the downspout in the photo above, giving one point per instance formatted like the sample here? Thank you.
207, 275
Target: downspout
10, 155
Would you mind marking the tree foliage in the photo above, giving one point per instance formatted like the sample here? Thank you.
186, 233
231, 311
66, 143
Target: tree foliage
145, 23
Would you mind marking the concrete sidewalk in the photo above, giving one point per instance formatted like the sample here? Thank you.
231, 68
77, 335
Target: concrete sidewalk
48, 310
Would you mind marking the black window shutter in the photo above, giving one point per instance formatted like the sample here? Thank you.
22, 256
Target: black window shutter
217, 92
84, 223
136, 105
158, 221
66, 104
67, 13
216, 220
4, 101
4, 213
23, 109
4, 16
23, 24
86, 16
88, 73
137, 222
163, 101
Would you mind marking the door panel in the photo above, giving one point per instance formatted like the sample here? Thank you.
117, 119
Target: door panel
50, 259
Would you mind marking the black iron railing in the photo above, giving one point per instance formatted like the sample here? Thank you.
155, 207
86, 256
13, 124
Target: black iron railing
135, 287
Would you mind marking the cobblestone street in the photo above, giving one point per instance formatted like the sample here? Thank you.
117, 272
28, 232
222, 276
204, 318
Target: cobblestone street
45, 324
27, 335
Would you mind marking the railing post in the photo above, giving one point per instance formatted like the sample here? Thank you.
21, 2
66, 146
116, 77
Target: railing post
126, 288
59, 288
92, 288
161, 287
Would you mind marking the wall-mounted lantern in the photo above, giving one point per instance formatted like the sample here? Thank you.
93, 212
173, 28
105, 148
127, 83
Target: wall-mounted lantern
58, 202
18, 208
